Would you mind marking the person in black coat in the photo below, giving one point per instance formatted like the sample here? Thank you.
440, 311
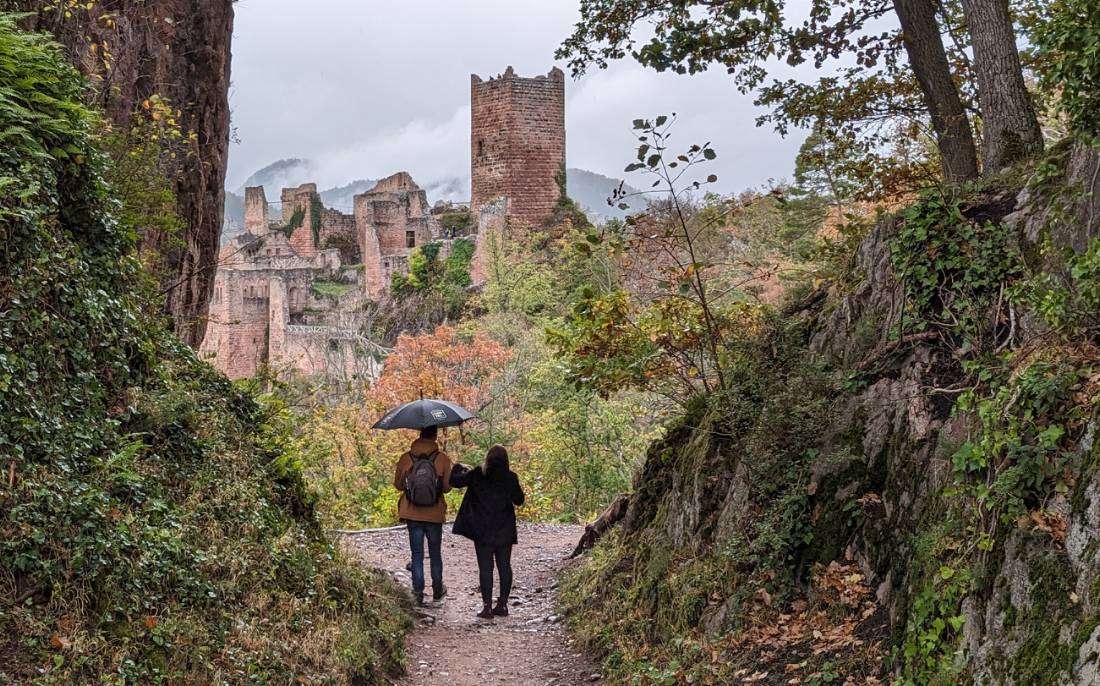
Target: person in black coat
487, 516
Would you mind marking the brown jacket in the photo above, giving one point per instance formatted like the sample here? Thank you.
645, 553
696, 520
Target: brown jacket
437, 513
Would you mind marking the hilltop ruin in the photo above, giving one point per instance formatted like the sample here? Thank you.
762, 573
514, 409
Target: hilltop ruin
290, 291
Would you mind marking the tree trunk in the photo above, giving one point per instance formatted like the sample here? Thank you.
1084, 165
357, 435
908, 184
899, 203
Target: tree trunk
179, 50
1010, 129
924, 45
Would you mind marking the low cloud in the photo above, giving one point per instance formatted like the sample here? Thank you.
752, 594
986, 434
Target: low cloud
364, 90
432, 151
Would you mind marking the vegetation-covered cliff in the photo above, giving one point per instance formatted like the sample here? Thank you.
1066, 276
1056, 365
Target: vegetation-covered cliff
902, 479
154, 526
166, 61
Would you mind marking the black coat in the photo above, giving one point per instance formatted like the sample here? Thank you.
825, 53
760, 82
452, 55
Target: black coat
488, 511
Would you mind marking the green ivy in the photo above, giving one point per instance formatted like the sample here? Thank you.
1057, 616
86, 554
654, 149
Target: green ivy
297, 218
1068, 302
927, 655
1026, 420
953, 268
315, 213
1068, 37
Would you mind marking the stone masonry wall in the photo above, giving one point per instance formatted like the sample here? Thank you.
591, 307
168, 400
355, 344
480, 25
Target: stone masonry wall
295, 199
388, 217
517, 143
253, 304
256, 221
236, 334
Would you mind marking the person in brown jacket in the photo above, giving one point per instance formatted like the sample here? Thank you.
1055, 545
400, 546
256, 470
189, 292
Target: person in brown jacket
423, 508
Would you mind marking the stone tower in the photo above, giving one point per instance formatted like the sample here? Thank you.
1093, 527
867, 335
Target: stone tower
517, 143
255, 211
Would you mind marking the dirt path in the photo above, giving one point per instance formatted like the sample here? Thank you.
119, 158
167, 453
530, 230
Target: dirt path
452, 647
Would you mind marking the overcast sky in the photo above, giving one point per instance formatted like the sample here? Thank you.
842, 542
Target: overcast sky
365, 88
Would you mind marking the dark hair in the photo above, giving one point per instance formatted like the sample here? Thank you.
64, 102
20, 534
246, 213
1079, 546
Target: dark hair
496, 460
429, 432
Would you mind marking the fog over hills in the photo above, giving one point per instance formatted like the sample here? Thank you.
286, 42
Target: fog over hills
589, 189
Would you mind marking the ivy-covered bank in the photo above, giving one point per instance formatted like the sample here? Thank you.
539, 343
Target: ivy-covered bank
154, 527
901, 484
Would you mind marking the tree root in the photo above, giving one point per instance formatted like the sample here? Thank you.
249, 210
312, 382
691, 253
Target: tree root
609, 518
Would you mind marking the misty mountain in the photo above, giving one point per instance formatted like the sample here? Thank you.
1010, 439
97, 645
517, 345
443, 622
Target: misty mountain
343, 197
280, 174
589, 189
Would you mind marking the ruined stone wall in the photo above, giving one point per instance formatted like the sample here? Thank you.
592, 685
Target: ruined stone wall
256, 221
301, 200
391, 219
517, 143
492, 231
335, 229
338, 230
321, 351
255, 300
236, 334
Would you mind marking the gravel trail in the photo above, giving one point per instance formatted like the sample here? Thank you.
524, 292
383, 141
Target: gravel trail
452, 647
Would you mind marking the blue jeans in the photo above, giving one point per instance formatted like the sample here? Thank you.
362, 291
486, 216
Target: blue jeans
434, 533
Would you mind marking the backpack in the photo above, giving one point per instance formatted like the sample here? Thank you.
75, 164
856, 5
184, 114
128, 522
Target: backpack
423, 485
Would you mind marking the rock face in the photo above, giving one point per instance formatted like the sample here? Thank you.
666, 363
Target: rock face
876, 485
179, 50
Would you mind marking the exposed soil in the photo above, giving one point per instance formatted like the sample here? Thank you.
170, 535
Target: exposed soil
452, 647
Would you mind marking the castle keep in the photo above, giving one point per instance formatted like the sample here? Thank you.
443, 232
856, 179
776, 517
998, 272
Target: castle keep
290, 291
517, 143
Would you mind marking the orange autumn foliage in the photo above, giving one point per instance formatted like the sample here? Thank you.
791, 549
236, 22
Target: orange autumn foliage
442, 364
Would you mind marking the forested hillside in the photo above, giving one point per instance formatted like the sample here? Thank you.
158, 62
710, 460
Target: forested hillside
154, 525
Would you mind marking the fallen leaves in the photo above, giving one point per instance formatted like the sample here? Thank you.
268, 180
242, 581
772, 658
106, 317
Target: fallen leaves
1050, 523
837, 625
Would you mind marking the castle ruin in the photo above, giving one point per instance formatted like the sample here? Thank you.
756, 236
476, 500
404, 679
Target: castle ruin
517, 144
290, 292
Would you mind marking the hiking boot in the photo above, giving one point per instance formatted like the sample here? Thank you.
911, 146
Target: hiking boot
486, 612
501, 610
440, 594
420, 600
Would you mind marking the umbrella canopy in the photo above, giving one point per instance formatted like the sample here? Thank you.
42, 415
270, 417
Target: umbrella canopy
420, 414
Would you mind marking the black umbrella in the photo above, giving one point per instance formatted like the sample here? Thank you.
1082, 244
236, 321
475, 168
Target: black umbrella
423, 413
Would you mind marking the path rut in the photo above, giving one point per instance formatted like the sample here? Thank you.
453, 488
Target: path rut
452, 647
